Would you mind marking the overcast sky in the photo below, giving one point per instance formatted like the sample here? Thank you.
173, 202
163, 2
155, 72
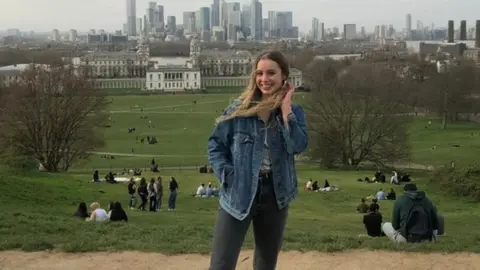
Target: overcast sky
45, 15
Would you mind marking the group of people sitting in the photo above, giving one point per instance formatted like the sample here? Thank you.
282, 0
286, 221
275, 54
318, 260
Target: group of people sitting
115, 212
314, 186
206, 192
379, 177
414, 219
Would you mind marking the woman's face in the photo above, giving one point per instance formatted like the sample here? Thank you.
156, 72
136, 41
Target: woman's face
269, 77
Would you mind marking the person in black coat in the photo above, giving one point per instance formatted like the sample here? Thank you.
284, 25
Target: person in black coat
118, 214
82, 211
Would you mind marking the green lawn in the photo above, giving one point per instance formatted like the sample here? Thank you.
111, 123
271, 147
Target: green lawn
37, 215
184, 122
424, 137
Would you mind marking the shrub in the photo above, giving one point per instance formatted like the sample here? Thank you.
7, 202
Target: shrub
21, 163
459, 181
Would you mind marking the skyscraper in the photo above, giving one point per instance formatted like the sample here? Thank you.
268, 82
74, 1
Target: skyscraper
204, 20
256, 22
315, 25
463, 30
408, 27
215, 13
451, 32
132, 17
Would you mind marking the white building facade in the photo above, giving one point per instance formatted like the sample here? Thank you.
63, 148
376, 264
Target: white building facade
173, 78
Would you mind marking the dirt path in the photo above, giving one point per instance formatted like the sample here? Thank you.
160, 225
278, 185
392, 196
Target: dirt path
352, 260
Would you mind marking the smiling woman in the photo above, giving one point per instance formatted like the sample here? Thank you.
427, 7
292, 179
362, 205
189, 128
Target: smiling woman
257, 137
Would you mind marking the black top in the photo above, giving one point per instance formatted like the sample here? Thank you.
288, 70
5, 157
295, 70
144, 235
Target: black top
118, 215
131, 188
373, 224
173, 185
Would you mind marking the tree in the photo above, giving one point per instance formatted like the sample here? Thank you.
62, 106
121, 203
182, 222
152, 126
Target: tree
356, 114
450, 92
52, 114
300, 58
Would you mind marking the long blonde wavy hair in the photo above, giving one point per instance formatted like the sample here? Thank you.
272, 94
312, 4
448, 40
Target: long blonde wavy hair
249, 106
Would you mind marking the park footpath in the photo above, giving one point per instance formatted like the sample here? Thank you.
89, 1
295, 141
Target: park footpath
402, 166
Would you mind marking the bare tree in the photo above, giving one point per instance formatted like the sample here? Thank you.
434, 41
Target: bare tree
300, 58
356, 114
451, 92
54, 115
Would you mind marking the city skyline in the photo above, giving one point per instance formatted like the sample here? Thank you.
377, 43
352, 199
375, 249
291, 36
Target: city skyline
43, 15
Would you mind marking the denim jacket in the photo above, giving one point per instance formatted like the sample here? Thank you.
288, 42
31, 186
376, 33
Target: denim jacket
235, 152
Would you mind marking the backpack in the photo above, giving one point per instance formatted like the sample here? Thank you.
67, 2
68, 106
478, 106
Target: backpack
418, 227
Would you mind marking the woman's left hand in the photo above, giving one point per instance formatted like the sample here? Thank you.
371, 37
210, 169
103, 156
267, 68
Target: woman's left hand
287, 102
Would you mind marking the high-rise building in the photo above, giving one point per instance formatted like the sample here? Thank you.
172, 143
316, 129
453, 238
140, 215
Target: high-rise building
73, 35
463, 30
315, 25
204, 19
189, 22
215, 13
246, 16
350, 31
272, 24
318, 30
55, 35
451, 32
171, 25
223, 14
139, 26
132, 17
408, 27
477, 34
256, 22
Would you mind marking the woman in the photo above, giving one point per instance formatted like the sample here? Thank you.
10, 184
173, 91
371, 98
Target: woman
118, 214
159, 190
98, 214
143, 193
82, 211
252, 152
132, 188
172, 199
392, 195
152, 195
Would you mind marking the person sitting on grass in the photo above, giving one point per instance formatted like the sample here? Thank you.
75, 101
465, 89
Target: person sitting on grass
315, 186
381, 195
201, 191
362, 207
414, 217
117, 213
373, 222
375, 205
392, 195
98, 214
308, 185
82, 211
210, 190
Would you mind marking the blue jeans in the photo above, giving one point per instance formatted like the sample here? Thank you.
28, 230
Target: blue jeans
172, 199
133, 201
159, 202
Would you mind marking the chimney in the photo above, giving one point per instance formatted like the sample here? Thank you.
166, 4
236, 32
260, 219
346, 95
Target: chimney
477, 34
463, 30
451, 32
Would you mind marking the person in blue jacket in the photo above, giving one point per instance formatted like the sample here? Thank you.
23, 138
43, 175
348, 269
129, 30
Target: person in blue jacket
252, 151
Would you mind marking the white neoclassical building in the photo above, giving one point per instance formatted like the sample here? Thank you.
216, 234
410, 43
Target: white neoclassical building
173, 78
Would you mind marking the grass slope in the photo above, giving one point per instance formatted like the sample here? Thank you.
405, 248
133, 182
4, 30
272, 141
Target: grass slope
37, 214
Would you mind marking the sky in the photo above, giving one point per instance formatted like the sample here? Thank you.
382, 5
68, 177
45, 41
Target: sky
45, 15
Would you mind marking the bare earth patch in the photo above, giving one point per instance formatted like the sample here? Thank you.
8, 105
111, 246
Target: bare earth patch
351, 260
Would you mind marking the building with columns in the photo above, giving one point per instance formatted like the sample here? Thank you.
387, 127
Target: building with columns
172, 78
